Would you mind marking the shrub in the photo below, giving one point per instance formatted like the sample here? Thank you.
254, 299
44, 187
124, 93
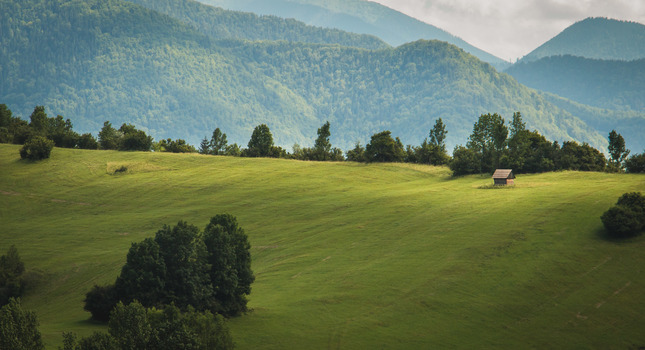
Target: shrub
37, 148
100, 301
627, 217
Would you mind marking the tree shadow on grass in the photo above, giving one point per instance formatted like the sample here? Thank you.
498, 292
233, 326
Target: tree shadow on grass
604, 235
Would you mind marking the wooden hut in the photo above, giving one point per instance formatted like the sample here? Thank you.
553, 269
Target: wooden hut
503, 177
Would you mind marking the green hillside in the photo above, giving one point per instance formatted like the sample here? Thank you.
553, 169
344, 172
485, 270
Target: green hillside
93, 61
599, 38
357, 16
345, 255
406, 89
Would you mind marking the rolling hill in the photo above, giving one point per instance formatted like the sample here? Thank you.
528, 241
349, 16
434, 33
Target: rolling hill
598, 38
93, 61
357, 16
345, 255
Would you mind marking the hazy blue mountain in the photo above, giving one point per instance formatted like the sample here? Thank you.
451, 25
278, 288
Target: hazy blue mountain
607, 84
98, 60
599, 38
630, 124
357, 16
223, 24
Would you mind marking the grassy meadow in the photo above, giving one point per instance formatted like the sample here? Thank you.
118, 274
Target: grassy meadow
346, 255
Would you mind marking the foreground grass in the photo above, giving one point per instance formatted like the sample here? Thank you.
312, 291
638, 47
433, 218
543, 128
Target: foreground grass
345, 255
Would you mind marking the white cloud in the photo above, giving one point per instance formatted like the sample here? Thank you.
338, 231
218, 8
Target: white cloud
511, 29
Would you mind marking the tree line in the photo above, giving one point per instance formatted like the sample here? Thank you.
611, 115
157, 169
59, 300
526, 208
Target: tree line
492, 144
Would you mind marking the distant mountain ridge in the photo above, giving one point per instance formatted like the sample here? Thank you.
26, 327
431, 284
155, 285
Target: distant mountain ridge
597, 38
224, 24
597, 62
357, 16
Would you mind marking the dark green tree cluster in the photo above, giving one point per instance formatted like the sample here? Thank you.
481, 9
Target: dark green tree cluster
433, 152
173, 146
635, 163
489, 147
384, 148
218, 145
41, 134
356, 154
133, 326
322, 150
19, 328
12, 270
573, 156
261, 144
126, 138
209, 270
58, 130
627, 217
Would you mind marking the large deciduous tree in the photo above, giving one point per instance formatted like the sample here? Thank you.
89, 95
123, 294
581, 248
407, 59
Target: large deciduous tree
230, 260
617, 151
218, 142
261, 142
488, 140
438, 135
383, 148
109, 137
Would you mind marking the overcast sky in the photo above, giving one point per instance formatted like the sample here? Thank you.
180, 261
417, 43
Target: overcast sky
511, 29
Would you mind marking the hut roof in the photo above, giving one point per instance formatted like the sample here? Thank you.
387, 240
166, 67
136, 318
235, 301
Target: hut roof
503, 174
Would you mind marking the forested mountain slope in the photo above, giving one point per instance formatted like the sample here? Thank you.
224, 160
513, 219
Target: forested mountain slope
608, 84
93, 61
357, 16
599, 38
223, 24
406, 89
